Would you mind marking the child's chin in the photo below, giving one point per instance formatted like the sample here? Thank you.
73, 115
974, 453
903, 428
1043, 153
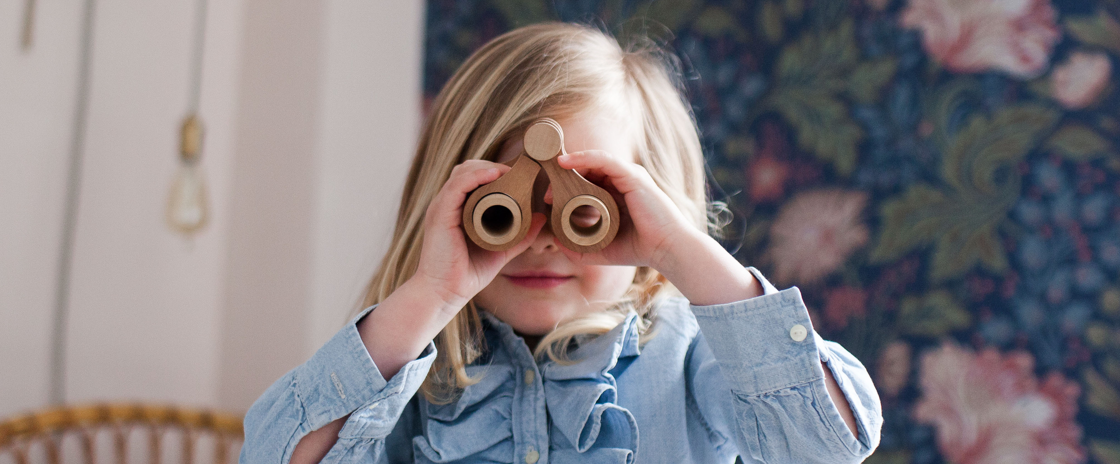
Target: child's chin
533, 326
538, 317
535, 321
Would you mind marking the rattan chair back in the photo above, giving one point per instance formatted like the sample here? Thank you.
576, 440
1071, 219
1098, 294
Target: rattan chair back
121, 433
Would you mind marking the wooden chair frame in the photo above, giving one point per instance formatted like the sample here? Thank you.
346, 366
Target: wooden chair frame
50, 426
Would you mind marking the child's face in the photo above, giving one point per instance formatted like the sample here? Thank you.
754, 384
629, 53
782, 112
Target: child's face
541, 287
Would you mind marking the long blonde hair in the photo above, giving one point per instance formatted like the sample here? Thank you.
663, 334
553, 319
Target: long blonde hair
554, 70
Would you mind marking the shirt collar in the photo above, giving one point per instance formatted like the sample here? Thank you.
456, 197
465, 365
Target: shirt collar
603, 351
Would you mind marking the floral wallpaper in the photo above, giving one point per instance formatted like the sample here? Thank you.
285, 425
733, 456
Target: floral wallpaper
940, 177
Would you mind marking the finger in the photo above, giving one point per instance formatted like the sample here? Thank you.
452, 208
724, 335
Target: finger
625, 176
471, 165
458, 187
448, 203
580, 164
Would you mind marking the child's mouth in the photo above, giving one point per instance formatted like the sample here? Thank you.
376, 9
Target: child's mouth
538, 280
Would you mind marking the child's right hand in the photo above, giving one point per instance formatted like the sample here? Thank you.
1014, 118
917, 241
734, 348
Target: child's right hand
450, 265
450, 271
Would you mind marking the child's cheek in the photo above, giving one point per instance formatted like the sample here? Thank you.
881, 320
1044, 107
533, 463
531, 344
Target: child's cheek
606, 283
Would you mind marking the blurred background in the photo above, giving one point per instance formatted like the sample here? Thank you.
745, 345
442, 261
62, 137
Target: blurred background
310, 111
940, 178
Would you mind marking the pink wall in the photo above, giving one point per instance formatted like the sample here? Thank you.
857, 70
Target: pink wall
303, 161
37, 92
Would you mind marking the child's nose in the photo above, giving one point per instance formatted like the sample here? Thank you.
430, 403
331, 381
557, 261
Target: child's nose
545, 241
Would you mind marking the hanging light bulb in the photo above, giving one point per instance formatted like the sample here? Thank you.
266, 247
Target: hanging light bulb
186, 206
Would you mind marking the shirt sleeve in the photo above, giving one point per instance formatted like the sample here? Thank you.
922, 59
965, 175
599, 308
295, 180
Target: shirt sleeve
765, 352
340, 379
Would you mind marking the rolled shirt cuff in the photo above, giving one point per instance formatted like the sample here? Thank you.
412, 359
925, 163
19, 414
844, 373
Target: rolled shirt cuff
341, 378
765, 343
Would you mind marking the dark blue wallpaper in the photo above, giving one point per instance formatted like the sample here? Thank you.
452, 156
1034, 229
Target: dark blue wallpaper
941, 178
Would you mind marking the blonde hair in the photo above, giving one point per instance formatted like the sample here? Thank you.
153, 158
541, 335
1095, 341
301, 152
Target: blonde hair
554, 70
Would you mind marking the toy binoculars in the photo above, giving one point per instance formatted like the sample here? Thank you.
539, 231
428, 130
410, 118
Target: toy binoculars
497, 215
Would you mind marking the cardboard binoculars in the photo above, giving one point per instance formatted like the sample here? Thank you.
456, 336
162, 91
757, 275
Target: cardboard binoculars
496, 216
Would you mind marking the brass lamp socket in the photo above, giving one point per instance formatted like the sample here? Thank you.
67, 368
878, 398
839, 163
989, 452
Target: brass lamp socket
190, 139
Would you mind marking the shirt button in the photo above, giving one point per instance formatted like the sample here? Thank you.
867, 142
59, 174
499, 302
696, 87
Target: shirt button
798, 332
532, 456
529, 376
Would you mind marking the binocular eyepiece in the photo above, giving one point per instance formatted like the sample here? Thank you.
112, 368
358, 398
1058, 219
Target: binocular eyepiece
584, 216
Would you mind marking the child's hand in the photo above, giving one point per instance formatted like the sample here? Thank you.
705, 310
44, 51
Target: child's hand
449, 267
651, 223
654, 232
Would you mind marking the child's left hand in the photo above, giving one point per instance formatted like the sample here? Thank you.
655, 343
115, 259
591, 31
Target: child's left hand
653, 232
651, 223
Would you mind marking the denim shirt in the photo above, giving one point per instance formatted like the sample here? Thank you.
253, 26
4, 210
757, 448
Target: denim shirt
714, 382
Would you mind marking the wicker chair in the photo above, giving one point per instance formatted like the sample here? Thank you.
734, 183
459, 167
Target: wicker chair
109, 433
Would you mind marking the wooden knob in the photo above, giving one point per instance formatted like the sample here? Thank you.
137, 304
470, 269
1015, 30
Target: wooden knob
544, 139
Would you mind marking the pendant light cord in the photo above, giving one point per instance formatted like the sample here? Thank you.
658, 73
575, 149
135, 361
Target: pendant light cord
70, 214
73, 185
196, 60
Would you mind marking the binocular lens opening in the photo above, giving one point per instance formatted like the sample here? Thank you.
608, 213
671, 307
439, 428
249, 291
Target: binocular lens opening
586, 220
497, 220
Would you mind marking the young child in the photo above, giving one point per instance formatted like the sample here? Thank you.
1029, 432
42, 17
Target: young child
540, 354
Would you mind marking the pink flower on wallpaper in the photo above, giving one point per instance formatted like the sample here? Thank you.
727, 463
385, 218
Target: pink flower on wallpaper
814, 234
1015, 36
1080, 79
990, 408
766, 173
892, 372
766, 178
843, 303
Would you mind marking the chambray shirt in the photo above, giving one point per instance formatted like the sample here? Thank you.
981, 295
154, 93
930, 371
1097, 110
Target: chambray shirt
715, 382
